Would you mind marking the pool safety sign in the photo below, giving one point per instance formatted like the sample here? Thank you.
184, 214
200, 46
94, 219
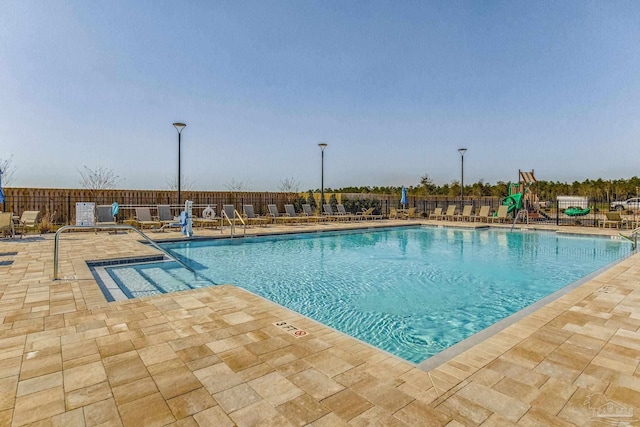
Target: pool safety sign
291, 330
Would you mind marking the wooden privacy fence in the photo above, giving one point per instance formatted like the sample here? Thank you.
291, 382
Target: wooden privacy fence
60, 204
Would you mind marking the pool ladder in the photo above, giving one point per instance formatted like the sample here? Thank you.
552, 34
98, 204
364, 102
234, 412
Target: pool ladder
515, 219
633, 238
232, 222
108, 227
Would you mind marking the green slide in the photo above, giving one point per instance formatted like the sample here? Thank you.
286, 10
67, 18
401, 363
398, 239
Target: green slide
514, 202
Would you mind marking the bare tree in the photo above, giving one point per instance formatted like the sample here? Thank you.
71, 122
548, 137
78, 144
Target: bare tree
185, 184
7, 168
238, 186
289, 185
100, 178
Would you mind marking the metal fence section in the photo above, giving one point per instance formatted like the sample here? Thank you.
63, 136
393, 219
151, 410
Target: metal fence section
60, 204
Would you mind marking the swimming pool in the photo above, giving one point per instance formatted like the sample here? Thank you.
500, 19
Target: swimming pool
412, 291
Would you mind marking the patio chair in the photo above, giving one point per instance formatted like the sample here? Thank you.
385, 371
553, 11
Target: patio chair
451, 212
165, 216
28, 220
396, 214
306, 210
104, 215
290, 211
252, 218
368, 214
144, 219
466, 213
343, 212
501, 215
436, 214
483, 214
276, 216
329, 214
6, 224
612, 219
411, 213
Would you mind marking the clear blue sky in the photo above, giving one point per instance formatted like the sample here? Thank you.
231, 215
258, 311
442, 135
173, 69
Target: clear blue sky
394, 88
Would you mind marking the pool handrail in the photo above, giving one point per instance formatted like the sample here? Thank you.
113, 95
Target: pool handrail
232, 222
108, 227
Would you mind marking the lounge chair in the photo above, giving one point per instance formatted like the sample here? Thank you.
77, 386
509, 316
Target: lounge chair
466, 213
290, 211
612, 219
29, 219
327, 211
396, 214
343, 212
229, 214
411, 213
6, 224
251, 217
165, 216
104, 215
501, 215
451, 212
483, 214
308, 212
276, 216
144, 219
368, 214
436, 214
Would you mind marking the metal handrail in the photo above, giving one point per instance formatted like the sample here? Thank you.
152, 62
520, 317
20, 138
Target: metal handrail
108, 227
633, 237
232, 222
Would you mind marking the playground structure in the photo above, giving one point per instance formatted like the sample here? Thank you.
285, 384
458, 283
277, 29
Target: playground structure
522, 200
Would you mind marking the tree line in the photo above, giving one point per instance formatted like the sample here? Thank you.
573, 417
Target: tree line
618, 189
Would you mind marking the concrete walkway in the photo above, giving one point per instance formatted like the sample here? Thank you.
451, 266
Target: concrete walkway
215, 356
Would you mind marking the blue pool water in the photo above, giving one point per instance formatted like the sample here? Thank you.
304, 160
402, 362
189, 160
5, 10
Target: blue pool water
412, 291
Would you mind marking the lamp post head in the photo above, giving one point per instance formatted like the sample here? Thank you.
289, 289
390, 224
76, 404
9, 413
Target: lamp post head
462, 151
179, 126
322, 145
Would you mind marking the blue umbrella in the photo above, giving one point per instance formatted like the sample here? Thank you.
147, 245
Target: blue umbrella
1, 192
115, 209
403, 199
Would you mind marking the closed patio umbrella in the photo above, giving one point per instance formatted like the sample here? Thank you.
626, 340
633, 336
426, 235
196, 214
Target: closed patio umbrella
403, 199
1, 192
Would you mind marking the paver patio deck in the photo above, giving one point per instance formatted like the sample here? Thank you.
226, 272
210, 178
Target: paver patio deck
213, 357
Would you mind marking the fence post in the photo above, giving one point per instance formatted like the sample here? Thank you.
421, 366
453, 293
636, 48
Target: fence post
557, 212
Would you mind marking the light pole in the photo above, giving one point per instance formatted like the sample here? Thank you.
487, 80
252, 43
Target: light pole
322, 146
179, 127
462, 151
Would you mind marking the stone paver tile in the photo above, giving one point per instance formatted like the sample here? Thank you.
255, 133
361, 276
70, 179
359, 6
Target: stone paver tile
218, 377
8, 388
10, 366
347, 404
517, 390
147, 411
102, 413
125, 370
503, 405
35, 365
267, 346
302, 410
377, 416
239, 359
256, 371
316, 383
464, 410
229, 343
380, 393
259, 414
156, 354
191, 403
134, 390
420, 414
116, 348
237, 318
194, 353
40, 383
328, 363
213, 417
84, 376
37, 406
275, 388
88, 395
537, 417
236, 398
554, 394
176, 382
